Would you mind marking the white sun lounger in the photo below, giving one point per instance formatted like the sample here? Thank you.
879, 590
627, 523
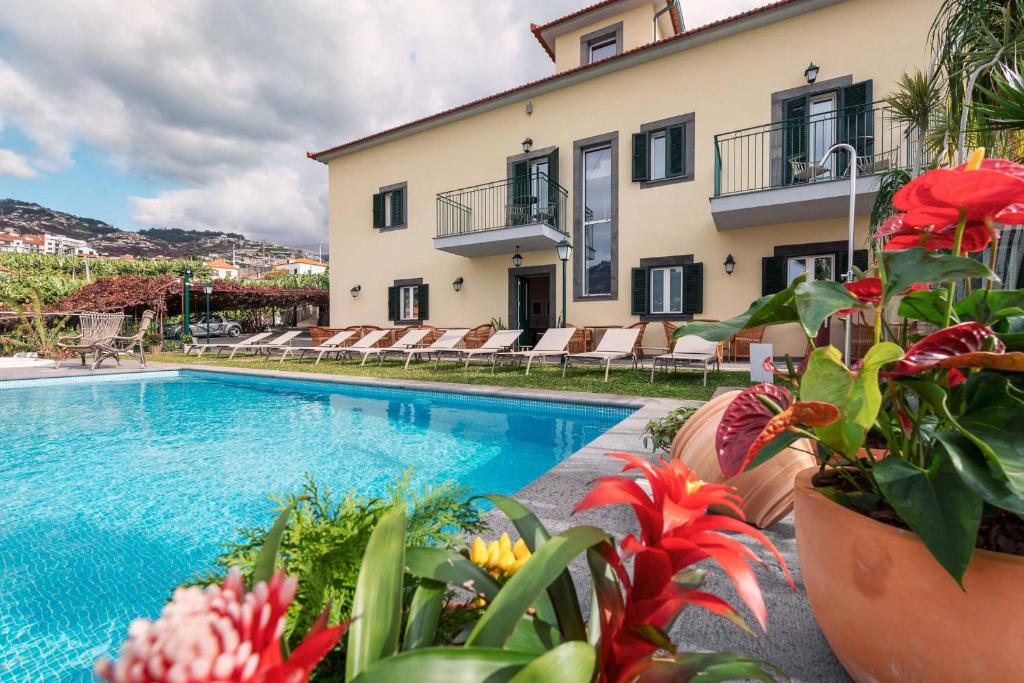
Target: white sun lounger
689, 351
408, 341
446, 342
552, 343
614, 345
275, 343
254, 339
501, 340
330, 344
366, 341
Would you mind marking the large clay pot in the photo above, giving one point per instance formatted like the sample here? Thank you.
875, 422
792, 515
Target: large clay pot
768, 490
891, 613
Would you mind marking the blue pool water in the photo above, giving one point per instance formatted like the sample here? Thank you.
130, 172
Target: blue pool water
116, 488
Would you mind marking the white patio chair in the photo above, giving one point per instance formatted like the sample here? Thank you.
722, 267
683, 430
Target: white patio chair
614, 345
499, 341
267, 347
224, 346
689, 351
408, 341
332, 343
552, 344
446, 342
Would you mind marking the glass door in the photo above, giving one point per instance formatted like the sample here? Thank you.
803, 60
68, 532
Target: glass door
539, 184
821, 134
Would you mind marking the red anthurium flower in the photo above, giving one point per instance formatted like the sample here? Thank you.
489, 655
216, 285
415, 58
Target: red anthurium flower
938, 197
868, 289
748, 423
955, 377
975, 238
962, 345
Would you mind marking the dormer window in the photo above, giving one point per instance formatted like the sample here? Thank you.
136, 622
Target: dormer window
602, 49
601, 44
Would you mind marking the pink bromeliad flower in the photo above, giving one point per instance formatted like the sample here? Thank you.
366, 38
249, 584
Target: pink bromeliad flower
220, 633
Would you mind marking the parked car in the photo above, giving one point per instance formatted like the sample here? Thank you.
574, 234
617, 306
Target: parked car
219, 327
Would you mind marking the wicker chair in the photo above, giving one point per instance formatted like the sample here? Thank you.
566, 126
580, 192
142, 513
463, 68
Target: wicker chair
97, 328
582, 339
862, 337
742, 340
132, 346
476, 336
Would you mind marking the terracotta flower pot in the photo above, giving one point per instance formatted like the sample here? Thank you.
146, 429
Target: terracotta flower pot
891, 613
768, 490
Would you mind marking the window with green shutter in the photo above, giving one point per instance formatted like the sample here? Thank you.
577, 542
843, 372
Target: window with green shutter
773, 274
378, 210
693, 288
390, 206
393, 303
640, 156
663, 151
638, 288
408, 301
667, 288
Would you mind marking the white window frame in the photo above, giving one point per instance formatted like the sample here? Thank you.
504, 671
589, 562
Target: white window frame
599, 43
389, 213
587, 224
810, 271
666, 290
410, 312
658, 170
818, 123
538, 185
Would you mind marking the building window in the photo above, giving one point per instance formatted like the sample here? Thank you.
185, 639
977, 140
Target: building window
667, 290
597, 221
601, 44
663, 151
817, 267
389, 206
658, 155
410, 302
818, 260
602, 49
407, 301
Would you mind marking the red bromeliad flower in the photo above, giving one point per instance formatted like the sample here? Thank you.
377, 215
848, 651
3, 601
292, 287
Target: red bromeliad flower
223, 634
959, 346
676, 532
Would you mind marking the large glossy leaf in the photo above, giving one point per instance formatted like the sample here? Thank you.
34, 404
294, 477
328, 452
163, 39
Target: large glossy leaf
550, 560
562, 593
424, 612
970, 463
818, 299
940, 348
606, 598
571, 662
994, 415
533, 635
905, 267
447, 665
377, 603
263, 569
773, 309
447, 566
929, 306
936, 506
703, 666
989, 306
855, 394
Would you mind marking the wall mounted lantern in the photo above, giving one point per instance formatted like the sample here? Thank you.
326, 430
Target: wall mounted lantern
355, 291
527, 145
730, 264
564, 250
517, 258
457, 283
811, 72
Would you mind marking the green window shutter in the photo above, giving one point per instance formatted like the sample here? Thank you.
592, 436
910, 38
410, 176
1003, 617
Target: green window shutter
856, 121
378, 210
675, 159
398, 207
794, 134
639, 279
773, 274
693, 288
520, 192
860, 259
553, 165
553, 195
641, 157
393, 313
424, 301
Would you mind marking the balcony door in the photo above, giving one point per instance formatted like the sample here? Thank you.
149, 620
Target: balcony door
815, 121
821, 133
534, 188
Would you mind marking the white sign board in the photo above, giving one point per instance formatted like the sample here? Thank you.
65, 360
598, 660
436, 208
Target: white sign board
758, 354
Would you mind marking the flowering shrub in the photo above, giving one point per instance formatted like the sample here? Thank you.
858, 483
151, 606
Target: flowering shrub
938, 398
501, 558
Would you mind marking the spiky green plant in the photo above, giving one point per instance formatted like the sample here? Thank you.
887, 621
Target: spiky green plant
914, 102
31, 332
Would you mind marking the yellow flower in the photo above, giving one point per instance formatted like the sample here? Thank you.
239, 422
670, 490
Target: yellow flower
478, 552
493, 555
506, 561
520, 550
517, 565
504, 543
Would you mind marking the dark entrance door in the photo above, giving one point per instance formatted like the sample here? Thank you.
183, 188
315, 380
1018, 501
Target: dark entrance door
531, 297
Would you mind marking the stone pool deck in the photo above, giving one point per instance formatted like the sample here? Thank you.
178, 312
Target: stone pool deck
794, 642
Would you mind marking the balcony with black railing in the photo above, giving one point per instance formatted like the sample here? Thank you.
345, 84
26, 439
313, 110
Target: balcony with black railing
778, 172
497, 217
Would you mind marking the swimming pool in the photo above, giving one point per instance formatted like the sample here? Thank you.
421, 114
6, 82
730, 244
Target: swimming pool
117, 487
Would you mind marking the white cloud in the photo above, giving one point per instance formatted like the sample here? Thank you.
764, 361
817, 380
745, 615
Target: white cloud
15, 165
223, 99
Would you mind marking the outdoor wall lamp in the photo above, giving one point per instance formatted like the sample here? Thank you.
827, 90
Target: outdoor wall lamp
517, 258
564, 250
730, 264
457, 283
355, 291
527, 145
811, 72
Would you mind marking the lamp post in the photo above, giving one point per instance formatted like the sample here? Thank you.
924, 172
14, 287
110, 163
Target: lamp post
564, 252
848, 275
208, 290
184, 304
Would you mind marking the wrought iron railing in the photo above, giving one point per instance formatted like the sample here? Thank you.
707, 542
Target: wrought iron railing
503, 204
788, 153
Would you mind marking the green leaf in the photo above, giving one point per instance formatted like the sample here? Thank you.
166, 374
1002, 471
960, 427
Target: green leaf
818, 299
546, 564
929, 306
855, 394
263, 569
936, 506
564, 602
424, 612
605, 592
970, 463
448, 566
447, 665
377, 603
533, 635
773, 309
571, 662
994, 415
990, 306
904, 267
773, 448
703, 666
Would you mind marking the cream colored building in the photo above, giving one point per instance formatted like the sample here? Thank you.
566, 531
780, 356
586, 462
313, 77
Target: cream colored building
660, 153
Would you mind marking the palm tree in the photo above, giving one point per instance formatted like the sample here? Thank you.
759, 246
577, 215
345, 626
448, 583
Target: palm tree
915, 102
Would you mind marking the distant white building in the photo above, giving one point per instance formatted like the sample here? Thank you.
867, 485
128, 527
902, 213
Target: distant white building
302, 266
222, 270
21, 244
59, 245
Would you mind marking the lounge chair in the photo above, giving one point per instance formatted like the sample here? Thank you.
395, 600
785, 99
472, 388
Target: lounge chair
97, 328
223, 346
129, 346
689, 351
366, 341
614, 345
499, 341
330, 344
552, 343
409, 340
267, 347
446, 342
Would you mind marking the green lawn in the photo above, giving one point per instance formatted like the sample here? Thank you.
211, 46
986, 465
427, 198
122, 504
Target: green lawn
679, 385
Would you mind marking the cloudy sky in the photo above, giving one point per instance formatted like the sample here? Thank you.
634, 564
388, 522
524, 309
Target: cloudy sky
198, 113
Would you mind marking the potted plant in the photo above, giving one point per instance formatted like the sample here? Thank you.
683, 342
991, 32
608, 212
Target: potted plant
909, 531
153, 342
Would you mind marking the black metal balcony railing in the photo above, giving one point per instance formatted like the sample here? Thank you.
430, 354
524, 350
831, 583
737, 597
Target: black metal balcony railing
503, 204
788, 153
